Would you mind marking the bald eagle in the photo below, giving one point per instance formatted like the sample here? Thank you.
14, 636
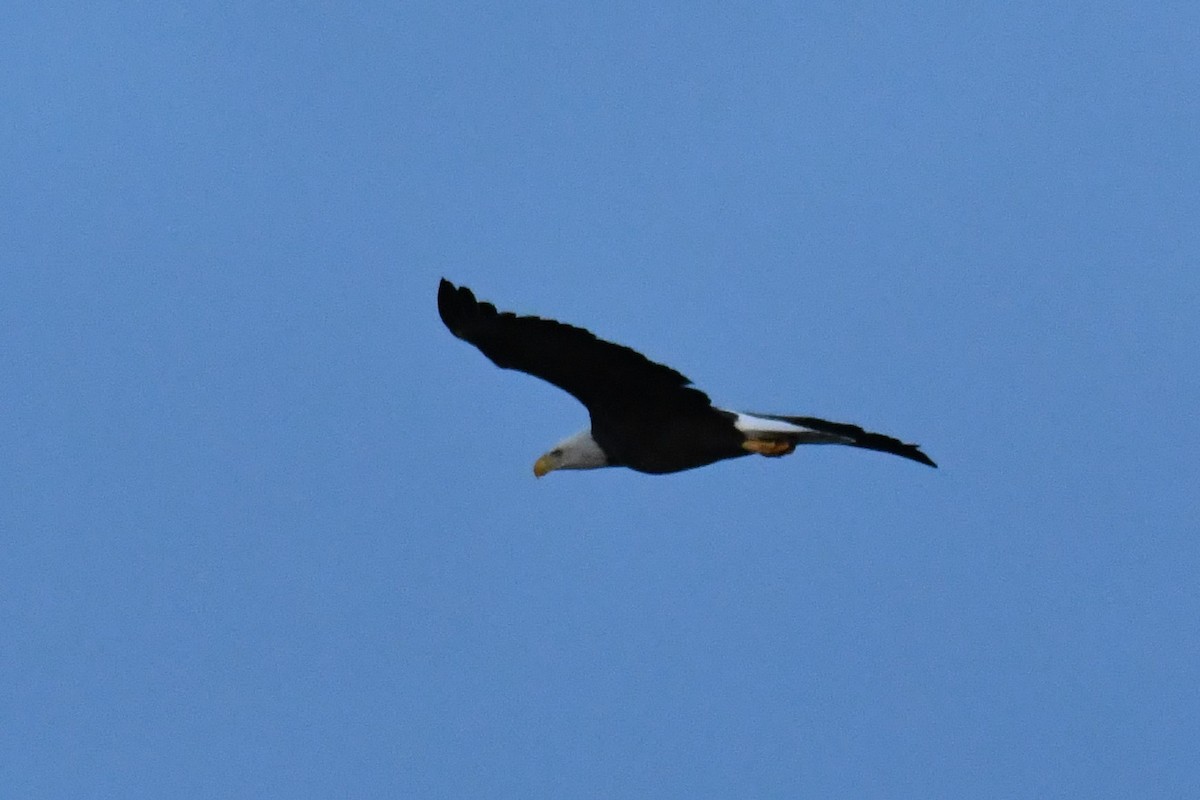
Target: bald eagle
645, 416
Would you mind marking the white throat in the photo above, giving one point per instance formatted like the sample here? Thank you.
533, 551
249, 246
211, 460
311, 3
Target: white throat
580, 452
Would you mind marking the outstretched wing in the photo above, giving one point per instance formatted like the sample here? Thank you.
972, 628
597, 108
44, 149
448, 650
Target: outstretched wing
601, 375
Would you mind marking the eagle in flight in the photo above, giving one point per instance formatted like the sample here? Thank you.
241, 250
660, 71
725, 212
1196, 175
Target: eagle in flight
644, 415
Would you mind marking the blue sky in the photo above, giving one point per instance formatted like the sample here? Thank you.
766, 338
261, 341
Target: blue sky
270, 531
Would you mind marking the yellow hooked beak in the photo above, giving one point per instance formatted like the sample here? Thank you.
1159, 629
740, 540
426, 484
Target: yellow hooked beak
542, 466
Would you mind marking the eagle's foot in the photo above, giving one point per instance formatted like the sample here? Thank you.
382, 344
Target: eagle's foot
770, 448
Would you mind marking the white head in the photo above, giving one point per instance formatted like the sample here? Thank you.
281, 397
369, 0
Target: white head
576, 452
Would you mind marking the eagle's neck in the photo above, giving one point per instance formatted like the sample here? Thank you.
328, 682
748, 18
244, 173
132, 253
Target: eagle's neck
581, 452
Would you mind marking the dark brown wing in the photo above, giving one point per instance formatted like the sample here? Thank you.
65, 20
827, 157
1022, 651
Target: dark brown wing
603, 376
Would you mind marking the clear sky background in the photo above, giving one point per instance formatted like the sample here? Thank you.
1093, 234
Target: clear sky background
270, 531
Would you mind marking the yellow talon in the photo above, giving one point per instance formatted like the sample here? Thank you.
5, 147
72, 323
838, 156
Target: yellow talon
769, 448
